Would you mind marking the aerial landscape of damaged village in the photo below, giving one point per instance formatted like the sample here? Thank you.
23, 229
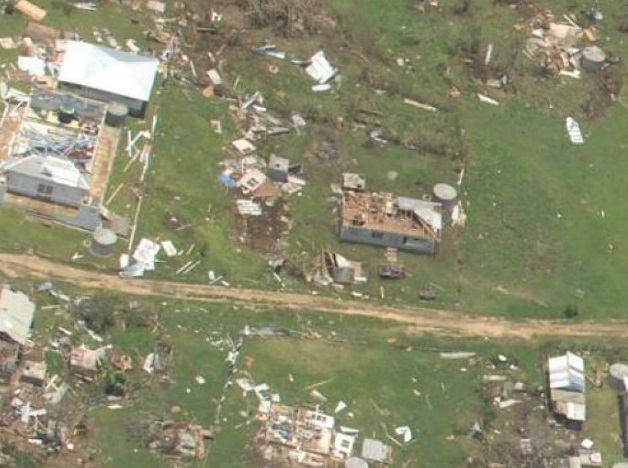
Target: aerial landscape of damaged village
313, 233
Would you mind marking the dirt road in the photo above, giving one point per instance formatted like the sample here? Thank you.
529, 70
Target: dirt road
416, 320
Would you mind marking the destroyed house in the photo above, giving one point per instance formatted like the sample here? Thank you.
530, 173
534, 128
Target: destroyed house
107, 75
567, 386
386, 220
16, 318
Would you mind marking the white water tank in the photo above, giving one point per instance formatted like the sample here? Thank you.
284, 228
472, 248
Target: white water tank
445, 194
103, 242
616, 374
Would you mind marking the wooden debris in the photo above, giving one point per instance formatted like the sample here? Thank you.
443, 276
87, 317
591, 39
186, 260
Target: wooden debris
419, 105
30, 10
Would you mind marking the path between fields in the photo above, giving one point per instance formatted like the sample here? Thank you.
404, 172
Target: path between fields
416, 320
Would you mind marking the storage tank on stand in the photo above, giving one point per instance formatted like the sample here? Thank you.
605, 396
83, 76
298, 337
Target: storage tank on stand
116, 114
616, 374
103, 242
445, 194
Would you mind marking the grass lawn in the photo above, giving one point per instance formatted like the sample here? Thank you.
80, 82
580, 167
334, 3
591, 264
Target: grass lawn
546, 222
384, 376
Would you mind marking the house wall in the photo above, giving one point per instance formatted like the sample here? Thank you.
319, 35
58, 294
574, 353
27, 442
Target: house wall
387, 239
136, 108
28, 185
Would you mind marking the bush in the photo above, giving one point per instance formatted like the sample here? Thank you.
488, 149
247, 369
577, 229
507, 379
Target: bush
571, 311
98, 312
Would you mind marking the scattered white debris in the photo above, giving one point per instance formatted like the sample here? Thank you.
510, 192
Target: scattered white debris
33, 65
571, 74
507, 403
340, 407
487, 100
573, 130
249, 208
405, 432
216, 126
124, 261
245, 384
243, 146
458, 355
7, 43
155, 6
151, 363
130, 44
321, 87
315, 394
146, 252
214, 77
349, 430
320, 69
169, 248
200, 380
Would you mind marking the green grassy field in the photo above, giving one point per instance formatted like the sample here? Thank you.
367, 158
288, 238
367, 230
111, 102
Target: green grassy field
386, 377
535, 239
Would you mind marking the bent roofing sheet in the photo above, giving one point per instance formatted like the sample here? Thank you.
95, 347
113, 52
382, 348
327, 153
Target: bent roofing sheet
16, 314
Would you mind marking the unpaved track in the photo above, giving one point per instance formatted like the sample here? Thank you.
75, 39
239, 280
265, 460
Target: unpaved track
415, 320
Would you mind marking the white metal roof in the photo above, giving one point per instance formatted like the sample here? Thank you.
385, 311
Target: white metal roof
576, 411
427, 211
567, 372
108, 70
16, 314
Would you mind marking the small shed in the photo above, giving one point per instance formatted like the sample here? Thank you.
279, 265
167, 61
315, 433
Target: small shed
84, 363
278, 168
377, 451
34, 373
352, 181
567, 386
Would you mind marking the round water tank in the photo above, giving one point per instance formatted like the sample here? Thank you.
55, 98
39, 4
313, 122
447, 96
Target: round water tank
593, 58
66, 114
103, 242
616, 375
116, 114
445, 194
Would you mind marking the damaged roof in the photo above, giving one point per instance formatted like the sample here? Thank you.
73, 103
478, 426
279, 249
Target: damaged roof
57, 170
16, 314
108, 70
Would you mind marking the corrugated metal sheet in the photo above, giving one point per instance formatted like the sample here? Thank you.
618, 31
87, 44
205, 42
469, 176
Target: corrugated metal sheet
16, 314
567, 372
108, 70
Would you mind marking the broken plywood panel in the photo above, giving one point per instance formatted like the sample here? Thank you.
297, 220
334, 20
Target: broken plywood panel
30, 10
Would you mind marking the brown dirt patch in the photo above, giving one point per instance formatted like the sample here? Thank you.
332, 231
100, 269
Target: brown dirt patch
264, 233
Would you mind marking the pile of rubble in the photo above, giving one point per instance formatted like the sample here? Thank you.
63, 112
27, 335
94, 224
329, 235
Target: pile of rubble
556, 45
